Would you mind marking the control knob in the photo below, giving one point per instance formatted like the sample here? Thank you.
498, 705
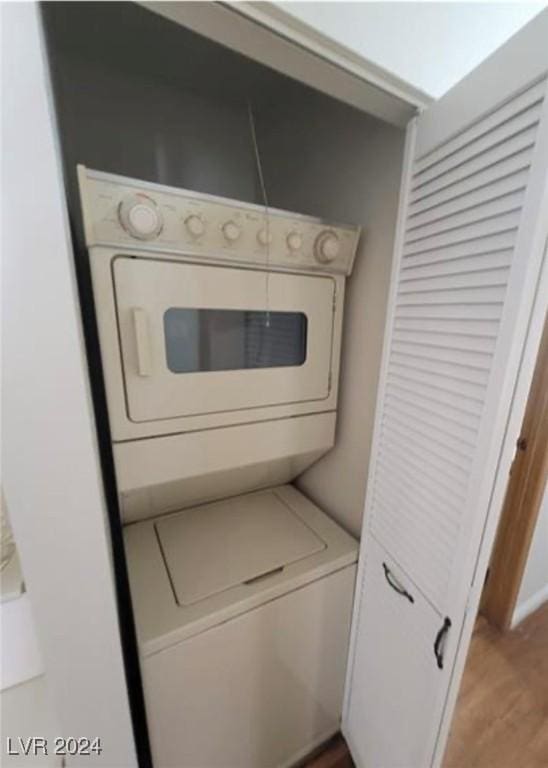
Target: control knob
140, 217
194, 225
327, 247
231, 231
294, 241
264, 236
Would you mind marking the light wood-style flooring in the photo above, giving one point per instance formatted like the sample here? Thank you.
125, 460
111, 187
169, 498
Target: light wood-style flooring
501, 718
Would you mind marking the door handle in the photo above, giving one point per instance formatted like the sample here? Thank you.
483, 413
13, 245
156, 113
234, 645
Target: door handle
396, 586
439, 644
142, 341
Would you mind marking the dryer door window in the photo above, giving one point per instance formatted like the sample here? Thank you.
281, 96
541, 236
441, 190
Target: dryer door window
205, 339
233, 339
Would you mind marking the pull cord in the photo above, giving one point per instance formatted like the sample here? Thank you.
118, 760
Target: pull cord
265, 204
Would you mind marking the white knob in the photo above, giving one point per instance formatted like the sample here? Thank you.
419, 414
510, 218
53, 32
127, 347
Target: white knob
139, 215
294, 241
327, 247
264, 236
231, 231
195, 226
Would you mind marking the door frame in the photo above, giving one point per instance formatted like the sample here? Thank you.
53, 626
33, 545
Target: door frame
522, 502
54, 486
267, 34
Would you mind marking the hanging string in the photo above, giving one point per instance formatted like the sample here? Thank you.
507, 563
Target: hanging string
265, 203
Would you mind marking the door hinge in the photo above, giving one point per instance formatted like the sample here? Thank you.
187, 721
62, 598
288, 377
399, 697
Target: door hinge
329, 381
521, 444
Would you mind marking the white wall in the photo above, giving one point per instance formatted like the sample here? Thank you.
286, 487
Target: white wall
51, 474
26, 706
431, 45
27, 710
534, 585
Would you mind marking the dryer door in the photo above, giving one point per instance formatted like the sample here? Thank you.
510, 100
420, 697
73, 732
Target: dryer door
204, 339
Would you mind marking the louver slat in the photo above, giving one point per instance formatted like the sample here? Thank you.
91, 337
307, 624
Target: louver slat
441, 381
454, 464
463, 234
489, 311
485, 328
453, 341
516, 163
471, 215
391, 496
464, 214
494, 138
428, 494
479, 263
452, 371
462, 425
435, 208
472, 279
433, 433
533, 95
478, 247
475, 295
497, 154
437, 395
462, 437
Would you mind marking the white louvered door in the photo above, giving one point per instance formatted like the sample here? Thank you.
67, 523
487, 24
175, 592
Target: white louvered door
472, 226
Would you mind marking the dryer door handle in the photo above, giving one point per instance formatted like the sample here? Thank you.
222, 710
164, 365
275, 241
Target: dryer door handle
142, 341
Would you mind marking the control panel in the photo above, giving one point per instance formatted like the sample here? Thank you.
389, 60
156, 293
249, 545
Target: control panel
120, 211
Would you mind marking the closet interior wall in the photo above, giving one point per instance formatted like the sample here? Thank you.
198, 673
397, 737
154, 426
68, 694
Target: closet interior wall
343, 165
141, 96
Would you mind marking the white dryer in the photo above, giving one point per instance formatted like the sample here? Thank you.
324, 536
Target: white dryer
220, 327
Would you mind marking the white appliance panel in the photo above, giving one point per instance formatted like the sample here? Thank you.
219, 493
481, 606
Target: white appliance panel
252, 674
263, 689
125, 212
169, 473
214, 547
162, 621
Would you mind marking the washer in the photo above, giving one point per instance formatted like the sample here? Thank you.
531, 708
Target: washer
243, 611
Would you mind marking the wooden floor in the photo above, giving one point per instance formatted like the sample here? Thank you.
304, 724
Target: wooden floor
501, 719
334, 755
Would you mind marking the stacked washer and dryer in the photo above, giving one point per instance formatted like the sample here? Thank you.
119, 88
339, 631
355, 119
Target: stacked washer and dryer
220, 328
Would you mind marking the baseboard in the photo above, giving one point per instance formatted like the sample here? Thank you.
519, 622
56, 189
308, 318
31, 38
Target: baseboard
303, 755
529, 606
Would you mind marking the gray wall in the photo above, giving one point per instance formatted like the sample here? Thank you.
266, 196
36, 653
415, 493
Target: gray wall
158, 133
344, 165
140, 96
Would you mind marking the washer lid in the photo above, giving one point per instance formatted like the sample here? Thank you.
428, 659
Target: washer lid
214, 547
